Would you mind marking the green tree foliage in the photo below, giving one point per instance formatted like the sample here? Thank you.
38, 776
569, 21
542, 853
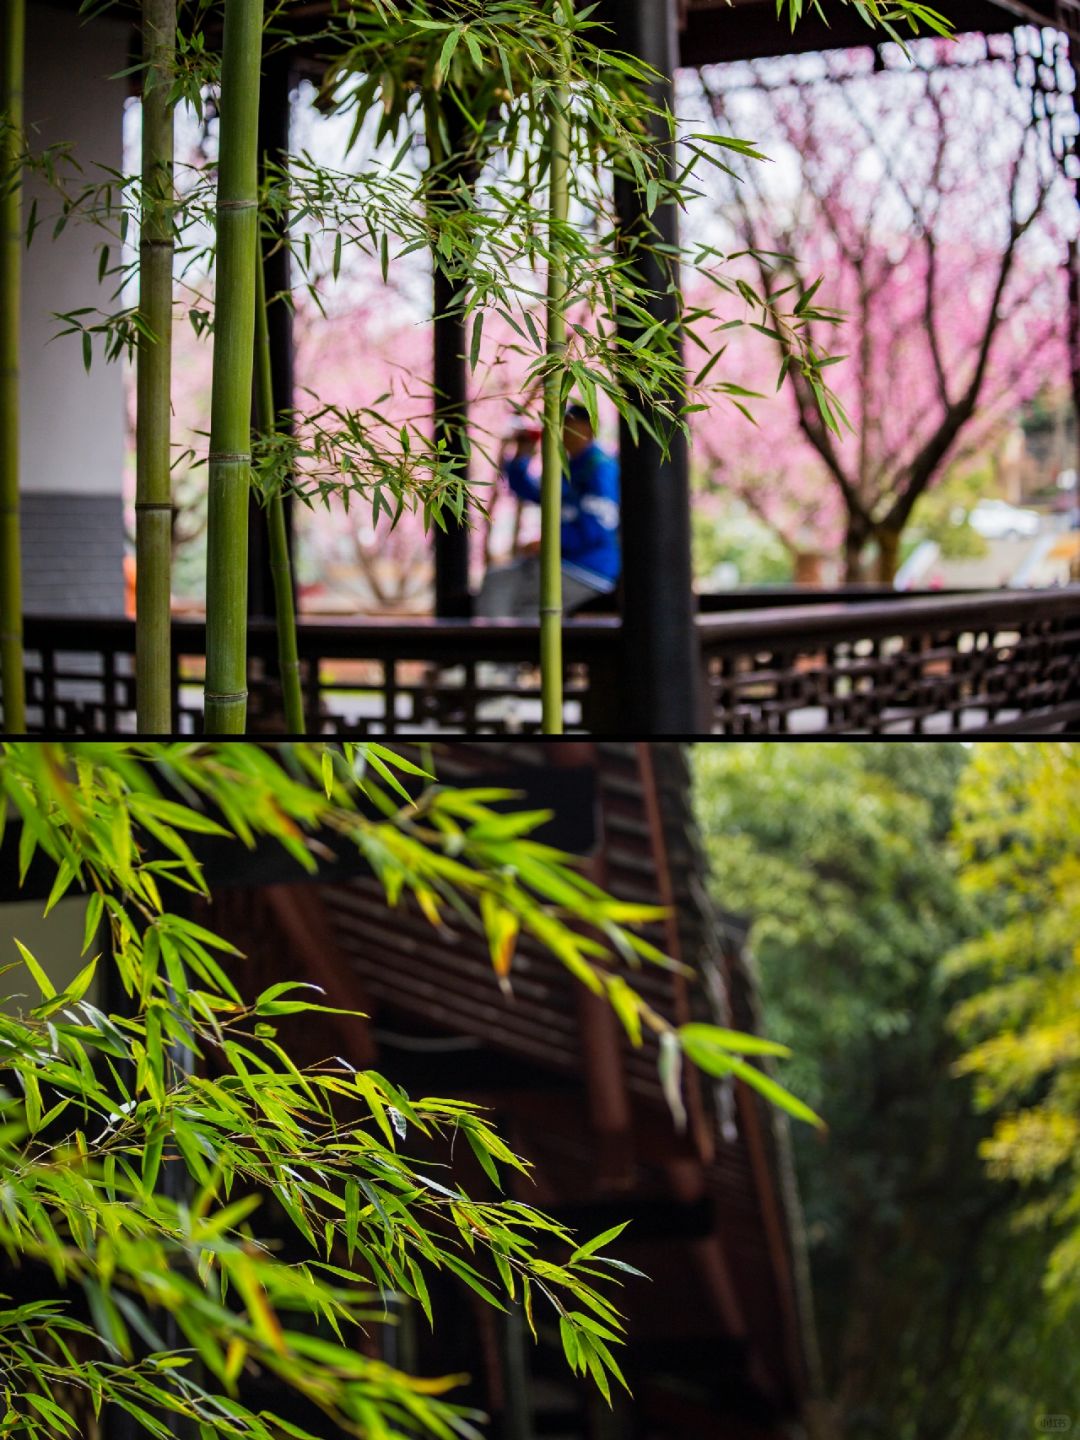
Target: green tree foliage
140, 1151
1018, 834
931, 1320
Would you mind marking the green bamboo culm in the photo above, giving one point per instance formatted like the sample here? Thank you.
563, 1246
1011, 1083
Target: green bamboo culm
551, 664
153, 490
234, 348
12, 49
280, 564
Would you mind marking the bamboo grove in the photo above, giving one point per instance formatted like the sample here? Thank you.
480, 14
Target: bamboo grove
528, 112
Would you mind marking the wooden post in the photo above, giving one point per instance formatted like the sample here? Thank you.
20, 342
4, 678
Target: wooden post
450, 373
451, 382
12, 49
660, 661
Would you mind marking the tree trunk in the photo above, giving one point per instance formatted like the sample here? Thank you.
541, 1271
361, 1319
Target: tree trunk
280, 565
855, 539
234, 348
552, 453
153, 486
12, 677
807, 567
888, 554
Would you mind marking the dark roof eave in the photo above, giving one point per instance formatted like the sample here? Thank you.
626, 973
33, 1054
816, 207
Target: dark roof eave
716, 31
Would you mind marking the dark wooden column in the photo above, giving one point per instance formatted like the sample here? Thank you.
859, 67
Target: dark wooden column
451, 382
273, 142
450, 377
660, 657
1072, 281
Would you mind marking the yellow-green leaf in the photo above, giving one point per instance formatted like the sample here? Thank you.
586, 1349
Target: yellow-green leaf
44, 984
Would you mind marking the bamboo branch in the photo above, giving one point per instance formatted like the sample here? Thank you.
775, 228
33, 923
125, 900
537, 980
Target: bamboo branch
234, 348
12, 678
153, 489
551, 667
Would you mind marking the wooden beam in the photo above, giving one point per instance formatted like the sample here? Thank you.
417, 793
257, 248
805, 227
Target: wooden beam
750, 30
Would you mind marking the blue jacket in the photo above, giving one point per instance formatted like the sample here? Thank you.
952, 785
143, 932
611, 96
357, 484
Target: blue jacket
590, 513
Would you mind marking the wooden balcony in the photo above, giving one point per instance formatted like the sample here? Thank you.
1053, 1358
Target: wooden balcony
984, 664
1005, 662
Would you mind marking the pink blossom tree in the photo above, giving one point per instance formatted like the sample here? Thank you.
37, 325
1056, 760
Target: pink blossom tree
926, 196
366, 359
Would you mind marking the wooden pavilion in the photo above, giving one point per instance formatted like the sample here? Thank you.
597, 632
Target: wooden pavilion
721, 1337
656, 597
669, 662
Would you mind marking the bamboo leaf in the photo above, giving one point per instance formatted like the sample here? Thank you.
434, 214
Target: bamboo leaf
670, 1064
597, 1243
94, 907
702, 1042
501, 926
775, 1092
477, 336
487, 1164
570, 1343
41, 980
61, 884
151, 1162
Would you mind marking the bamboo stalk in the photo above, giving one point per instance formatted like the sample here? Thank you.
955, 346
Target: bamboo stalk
12, 46
551, 665
153, 490
234, 348
280, 565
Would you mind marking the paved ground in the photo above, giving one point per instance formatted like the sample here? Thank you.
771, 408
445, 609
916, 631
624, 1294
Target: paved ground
996, 567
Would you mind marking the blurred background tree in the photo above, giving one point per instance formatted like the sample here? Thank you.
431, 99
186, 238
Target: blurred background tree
924, 194
933, 1320
734, 546
1018, 834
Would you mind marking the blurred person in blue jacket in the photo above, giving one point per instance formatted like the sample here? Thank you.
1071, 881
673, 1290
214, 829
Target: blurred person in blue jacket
590, 524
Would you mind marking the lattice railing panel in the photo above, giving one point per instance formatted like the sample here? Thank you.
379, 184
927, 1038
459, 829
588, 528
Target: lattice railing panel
972, 665
367, 678
978, 664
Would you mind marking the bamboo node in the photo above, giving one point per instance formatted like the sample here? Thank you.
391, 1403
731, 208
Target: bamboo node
233, 697
143, 505
551, 609
237, 205
229, 457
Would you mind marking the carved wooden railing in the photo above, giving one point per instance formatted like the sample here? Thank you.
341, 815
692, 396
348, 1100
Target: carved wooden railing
372, 676
994, 663
990, 663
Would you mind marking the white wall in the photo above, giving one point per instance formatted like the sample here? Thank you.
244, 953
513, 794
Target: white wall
54, 940
72, 423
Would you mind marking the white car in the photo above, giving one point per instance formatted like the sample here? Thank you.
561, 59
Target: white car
998, 520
